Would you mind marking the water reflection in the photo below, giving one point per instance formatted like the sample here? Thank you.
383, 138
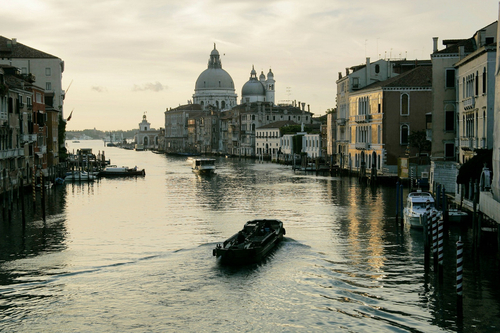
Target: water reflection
136, 254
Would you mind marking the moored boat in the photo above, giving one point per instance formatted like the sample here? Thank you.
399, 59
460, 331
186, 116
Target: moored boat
252, 243
76, 176
203, 165
114, 171
416, 204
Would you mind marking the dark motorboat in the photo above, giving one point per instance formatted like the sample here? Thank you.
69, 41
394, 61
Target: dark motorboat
252, 243
113, 171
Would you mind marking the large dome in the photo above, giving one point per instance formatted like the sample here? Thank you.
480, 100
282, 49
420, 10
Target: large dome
214, 77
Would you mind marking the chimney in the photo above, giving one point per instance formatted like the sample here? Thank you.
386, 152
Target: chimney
340, 75
303, 106
14, 41
461, 52
435, 44
347, 71
308, 108
368, 71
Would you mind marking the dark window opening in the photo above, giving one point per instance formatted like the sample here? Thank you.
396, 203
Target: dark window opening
450, 78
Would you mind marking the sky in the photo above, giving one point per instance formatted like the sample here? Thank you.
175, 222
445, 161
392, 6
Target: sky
125, 58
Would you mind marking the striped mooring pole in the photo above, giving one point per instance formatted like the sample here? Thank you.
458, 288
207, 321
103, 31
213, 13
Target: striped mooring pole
434, 239
460, 259
440, 248
427, 233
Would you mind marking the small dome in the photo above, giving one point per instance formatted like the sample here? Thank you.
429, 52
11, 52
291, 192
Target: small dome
252, 88
270, 75
262, 77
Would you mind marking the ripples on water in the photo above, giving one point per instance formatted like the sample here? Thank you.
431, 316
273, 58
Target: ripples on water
136, 255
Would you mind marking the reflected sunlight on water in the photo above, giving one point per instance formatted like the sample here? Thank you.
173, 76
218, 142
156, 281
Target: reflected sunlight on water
136, 255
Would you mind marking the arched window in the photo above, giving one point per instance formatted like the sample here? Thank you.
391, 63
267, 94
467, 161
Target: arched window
404, 134
377, 68
405, 107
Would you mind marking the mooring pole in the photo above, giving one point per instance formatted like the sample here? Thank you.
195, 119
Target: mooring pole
42, 184
423, 219
397, 202
440, 249
434, 239
460, 254
23, 213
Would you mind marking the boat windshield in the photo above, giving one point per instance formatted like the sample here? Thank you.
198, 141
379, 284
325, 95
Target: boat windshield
418, 205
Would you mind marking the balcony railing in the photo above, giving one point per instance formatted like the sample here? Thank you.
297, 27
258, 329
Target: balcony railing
361, 145
29, 137
469, 103
362, 118
465, 143
9, 153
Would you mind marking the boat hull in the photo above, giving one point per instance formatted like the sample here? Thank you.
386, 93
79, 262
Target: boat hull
254, 248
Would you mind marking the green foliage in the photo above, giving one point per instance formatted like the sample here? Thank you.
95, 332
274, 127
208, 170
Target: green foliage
418, 139
293, 129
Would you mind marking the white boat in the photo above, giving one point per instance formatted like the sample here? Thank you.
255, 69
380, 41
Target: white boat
203, 165
75, 176
416, 204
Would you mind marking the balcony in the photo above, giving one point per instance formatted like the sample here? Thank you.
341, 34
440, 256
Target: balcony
361, 145
465, 143
362, 118
29, 138
341, 121
10, 153
469, 103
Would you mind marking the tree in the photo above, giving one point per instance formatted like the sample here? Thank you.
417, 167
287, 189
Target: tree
418, 139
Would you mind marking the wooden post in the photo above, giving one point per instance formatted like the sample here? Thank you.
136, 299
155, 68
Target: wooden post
397, 202
424, 219
42, 189
33, 187
459, 286
434, 239
401, 203
440, 250
23, 213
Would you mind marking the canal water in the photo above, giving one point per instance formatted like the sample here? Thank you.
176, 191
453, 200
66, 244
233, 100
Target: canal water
135, 255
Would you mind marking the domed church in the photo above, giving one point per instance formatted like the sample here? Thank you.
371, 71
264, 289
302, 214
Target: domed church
258, 90
215, 87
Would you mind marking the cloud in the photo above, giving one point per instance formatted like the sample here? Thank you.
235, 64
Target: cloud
156, 87
99, 89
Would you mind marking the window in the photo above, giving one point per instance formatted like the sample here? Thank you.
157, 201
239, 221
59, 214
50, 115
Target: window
377, 68
47, 71
404, 134
450, 78
484, 80
477, 83
449, 151
449, 118
355, 82
48, 86
405, 107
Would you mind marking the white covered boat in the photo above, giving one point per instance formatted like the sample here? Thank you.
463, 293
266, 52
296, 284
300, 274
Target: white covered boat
416, 204
203, 165
76, 176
